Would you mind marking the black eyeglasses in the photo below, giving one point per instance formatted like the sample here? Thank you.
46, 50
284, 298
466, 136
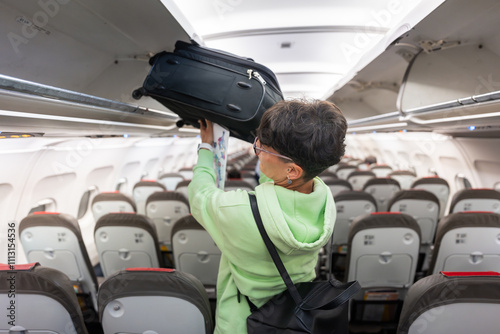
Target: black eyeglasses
257, 151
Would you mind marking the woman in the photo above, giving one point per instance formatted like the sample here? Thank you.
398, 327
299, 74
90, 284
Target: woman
295, 142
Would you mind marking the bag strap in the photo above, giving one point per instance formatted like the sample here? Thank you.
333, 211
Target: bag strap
348, 290
273, 252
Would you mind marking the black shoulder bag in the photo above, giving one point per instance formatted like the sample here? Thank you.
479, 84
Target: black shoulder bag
308, 307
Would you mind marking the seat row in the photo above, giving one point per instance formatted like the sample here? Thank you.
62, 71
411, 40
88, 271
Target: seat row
135, 300
144, 300
123, 240
151, 199
421, 204
383, 251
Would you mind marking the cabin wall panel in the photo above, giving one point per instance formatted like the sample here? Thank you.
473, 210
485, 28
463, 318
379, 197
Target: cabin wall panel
485, 158
131, 172
421, 152
487, 172
18, 157
60, 188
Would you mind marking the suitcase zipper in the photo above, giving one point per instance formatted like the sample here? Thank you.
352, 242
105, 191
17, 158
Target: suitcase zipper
256, 75
227, 57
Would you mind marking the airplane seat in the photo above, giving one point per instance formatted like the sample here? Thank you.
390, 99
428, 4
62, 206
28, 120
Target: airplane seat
249, 176
182, 187
115, 201
44, 301
382, 189
141, 192
438, 186
126, 240
334, 168
195, 252
452, 302
381, 170
186, 172
359, 178
249, 167
327, 175
467, 241
382, 257
337, 186
165, 208
476, 199
170, 180
349, 205
423, 206
363, 166
147, 300
343, 171
237, 184
354, 162
55, 240
404, 177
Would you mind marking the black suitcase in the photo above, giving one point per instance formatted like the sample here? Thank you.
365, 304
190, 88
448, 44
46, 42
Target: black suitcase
197, 82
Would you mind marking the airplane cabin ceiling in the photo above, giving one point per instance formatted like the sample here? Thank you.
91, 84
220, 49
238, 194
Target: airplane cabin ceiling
322, 42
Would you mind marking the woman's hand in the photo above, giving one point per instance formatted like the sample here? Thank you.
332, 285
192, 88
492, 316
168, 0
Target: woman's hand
206, 131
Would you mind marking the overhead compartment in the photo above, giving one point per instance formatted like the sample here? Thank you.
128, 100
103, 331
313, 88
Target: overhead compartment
446, 71
456, 73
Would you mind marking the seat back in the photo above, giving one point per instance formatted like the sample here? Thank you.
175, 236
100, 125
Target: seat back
423, 206
165, 208
350, 205
170, 180
182, 187
126, 240
476, 200
249, 176
194, 250
381, 170
107, 202
439, 187
404, 177
327, 175
237, 184
55, 241
337, 186
44, 301
382, 257
186, 172
467, 241
383, 250
382, 189
142, 190
452, 302
359, 178
176, 302
344, 171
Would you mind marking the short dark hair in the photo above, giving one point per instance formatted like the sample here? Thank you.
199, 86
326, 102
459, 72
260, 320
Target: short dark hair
312, 133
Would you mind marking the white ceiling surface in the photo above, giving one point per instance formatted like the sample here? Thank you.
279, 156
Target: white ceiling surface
329, 41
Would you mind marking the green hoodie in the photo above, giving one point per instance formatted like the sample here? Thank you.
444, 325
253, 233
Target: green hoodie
298, 224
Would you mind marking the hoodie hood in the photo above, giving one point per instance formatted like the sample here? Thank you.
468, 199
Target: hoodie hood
297, 222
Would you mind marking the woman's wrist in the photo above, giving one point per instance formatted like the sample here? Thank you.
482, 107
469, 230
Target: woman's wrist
206, 146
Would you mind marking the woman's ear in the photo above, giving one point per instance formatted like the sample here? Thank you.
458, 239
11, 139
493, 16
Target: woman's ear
295, 172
